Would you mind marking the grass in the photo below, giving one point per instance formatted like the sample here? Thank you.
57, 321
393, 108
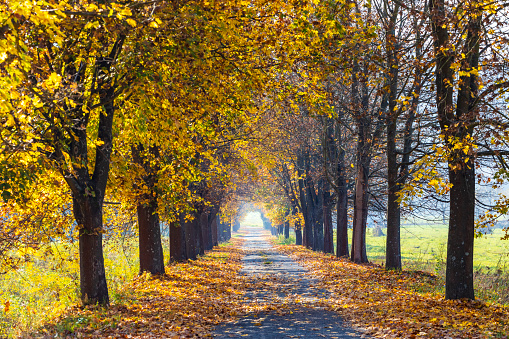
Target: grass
46, 286
191, 298
428, 244
424, 248
392, 304
281, 240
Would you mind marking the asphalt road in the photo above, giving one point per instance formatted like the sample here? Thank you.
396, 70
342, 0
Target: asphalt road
290, 306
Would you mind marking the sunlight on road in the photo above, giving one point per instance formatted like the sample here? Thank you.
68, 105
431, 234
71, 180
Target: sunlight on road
252, 219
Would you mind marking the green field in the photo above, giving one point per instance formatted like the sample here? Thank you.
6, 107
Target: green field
427, 245
424, 248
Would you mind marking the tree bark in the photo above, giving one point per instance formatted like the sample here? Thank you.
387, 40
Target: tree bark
214, 228
361, 182
459, 281
221, 229
393, 242
150, 247
458, 125
317, 215
189, 236
88, 194
88, 190
206, 229
307, 239
177, 242
287, 229
360, 217
236, 225
228, 229
200, 250
298, 234
342, 200
266, 222
328, 242
224, 229
213, 218
88, 214
149, 238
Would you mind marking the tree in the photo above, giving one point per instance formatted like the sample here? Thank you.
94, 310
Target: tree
456, 123
150, 246
67, 97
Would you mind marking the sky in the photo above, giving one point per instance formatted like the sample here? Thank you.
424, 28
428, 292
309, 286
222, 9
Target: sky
252, 218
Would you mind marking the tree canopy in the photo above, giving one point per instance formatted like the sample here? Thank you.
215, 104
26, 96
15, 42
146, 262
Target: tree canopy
322, 113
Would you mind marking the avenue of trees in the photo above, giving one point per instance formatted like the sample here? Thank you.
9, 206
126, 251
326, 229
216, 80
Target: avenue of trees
324, 112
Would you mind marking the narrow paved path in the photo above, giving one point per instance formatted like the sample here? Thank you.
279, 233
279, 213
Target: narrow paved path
282, 298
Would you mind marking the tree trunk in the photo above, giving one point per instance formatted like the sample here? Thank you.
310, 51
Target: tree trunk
177, 242
457, 126
393, 242
318, 216
189, 236
310, 206
459, 281
307, 239
287, 229
298, 233
297, 226
228, 232
328, 242
221, 230
214, 228
200, 250
236, 225
342, 200
150, 247
360, 216
206, 230
88, 189
209, 230
363, 160
88, 214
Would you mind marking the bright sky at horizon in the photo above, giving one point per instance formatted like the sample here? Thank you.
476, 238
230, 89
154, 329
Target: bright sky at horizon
252, 218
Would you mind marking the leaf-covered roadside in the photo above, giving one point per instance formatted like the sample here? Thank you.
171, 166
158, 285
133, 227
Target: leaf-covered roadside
185, 303
390, 305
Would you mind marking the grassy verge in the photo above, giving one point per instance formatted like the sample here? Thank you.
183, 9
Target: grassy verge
424, 248
48, 284
399, 304
186, 302
281, 240
43, 294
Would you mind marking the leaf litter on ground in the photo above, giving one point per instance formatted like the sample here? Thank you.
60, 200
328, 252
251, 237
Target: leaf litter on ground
197, 295
187, 302
391, 304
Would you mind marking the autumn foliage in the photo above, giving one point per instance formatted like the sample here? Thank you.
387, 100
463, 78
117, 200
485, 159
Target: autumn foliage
124, 120
392, 304
186, 302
